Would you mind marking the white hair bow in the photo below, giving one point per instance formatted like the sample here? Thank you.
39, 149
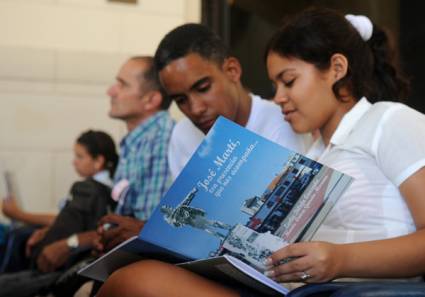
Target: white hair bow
362, 24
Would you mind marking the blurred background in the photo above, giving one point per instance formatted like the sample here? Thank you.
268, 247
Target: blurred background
247, 25
57, 58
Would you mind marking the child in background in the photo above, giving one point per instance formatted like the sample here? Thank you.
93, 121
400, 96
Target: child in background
86, 154
95, 160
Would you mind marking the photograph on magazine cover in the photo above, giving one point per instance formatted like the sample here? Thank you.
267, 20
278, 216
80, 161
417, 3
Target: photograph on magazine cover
241, 195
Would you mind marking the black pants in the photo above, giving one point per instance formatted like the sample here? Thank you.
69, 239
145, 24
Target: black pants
353, 289
12, 254
361, 289
26, 283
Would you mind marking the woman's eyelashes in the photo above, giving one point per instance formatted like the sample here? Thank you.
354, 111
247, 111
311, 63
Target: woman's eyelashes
289, 83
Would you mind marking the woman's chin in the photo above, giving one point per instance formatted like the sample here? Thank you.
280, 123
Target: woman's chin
299, 128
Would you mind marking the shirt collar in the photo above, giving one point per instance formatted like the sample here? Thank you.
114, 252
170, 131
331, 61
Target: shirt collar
347, 124
349, 121
103, 178
316, 149
146, 125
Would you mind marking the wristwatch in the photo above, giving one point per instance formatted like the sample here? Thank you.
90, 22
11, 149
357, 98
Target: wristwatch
72, 241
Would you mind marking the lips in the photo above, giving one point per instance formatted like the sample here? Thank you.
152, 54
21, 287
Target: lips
288, 113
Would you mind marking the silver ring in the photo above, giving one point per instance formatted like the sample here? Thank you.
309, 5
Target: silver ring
305, 276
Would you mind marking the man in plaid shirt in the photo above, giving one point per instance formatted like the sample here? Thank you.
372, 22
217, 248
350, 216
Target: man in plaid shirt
143, 175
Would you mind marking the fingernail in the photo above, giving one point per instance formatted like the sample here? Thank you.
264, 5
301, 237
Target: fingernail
268, 262
269, 273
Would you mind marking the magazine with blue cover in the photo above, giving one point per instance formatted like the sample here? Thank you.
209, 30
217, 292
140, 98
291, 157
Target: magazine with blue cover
242, 196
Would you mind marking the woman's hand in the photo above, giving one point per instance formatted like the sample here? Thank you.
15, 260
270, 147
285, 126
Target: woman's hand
310, 262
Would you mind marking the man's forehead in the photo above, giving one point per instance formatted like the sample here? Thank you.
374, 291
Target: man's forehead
192, 62
131, 70
188, 70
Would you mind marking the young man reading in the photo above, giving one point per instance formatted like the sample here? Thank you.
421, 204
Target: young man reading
197, 72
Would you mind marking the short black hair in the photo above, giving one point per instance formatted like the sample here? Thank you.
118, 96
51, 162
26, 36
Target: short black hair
190, 38
149, 79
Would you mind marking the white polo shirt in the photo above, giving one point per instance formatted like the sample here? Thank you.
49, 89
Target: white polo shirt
380, 145
265, 119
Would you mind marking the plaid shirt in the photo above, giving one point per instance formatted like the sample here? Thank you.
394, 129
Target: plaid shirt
144, 163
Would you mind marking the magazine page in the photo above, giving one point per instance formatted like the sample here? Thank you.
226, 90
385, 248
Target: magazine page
9, 188
227, 269
118, 257
7, 184
242, 195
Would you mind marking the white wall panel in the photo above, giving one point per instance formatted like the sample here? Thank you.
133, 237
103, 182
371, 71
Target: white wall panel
57, 58
50, 122
33, 172
138, 35
27, 63
88, 67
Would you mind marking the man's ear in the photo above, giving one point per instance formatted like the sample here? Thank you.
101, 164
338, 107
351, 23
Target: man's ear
153, 101
338, 67
232, 68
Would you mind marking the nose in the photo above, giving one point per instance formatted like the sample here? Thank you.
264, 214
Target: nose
280, 97
111, 90
197, 106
